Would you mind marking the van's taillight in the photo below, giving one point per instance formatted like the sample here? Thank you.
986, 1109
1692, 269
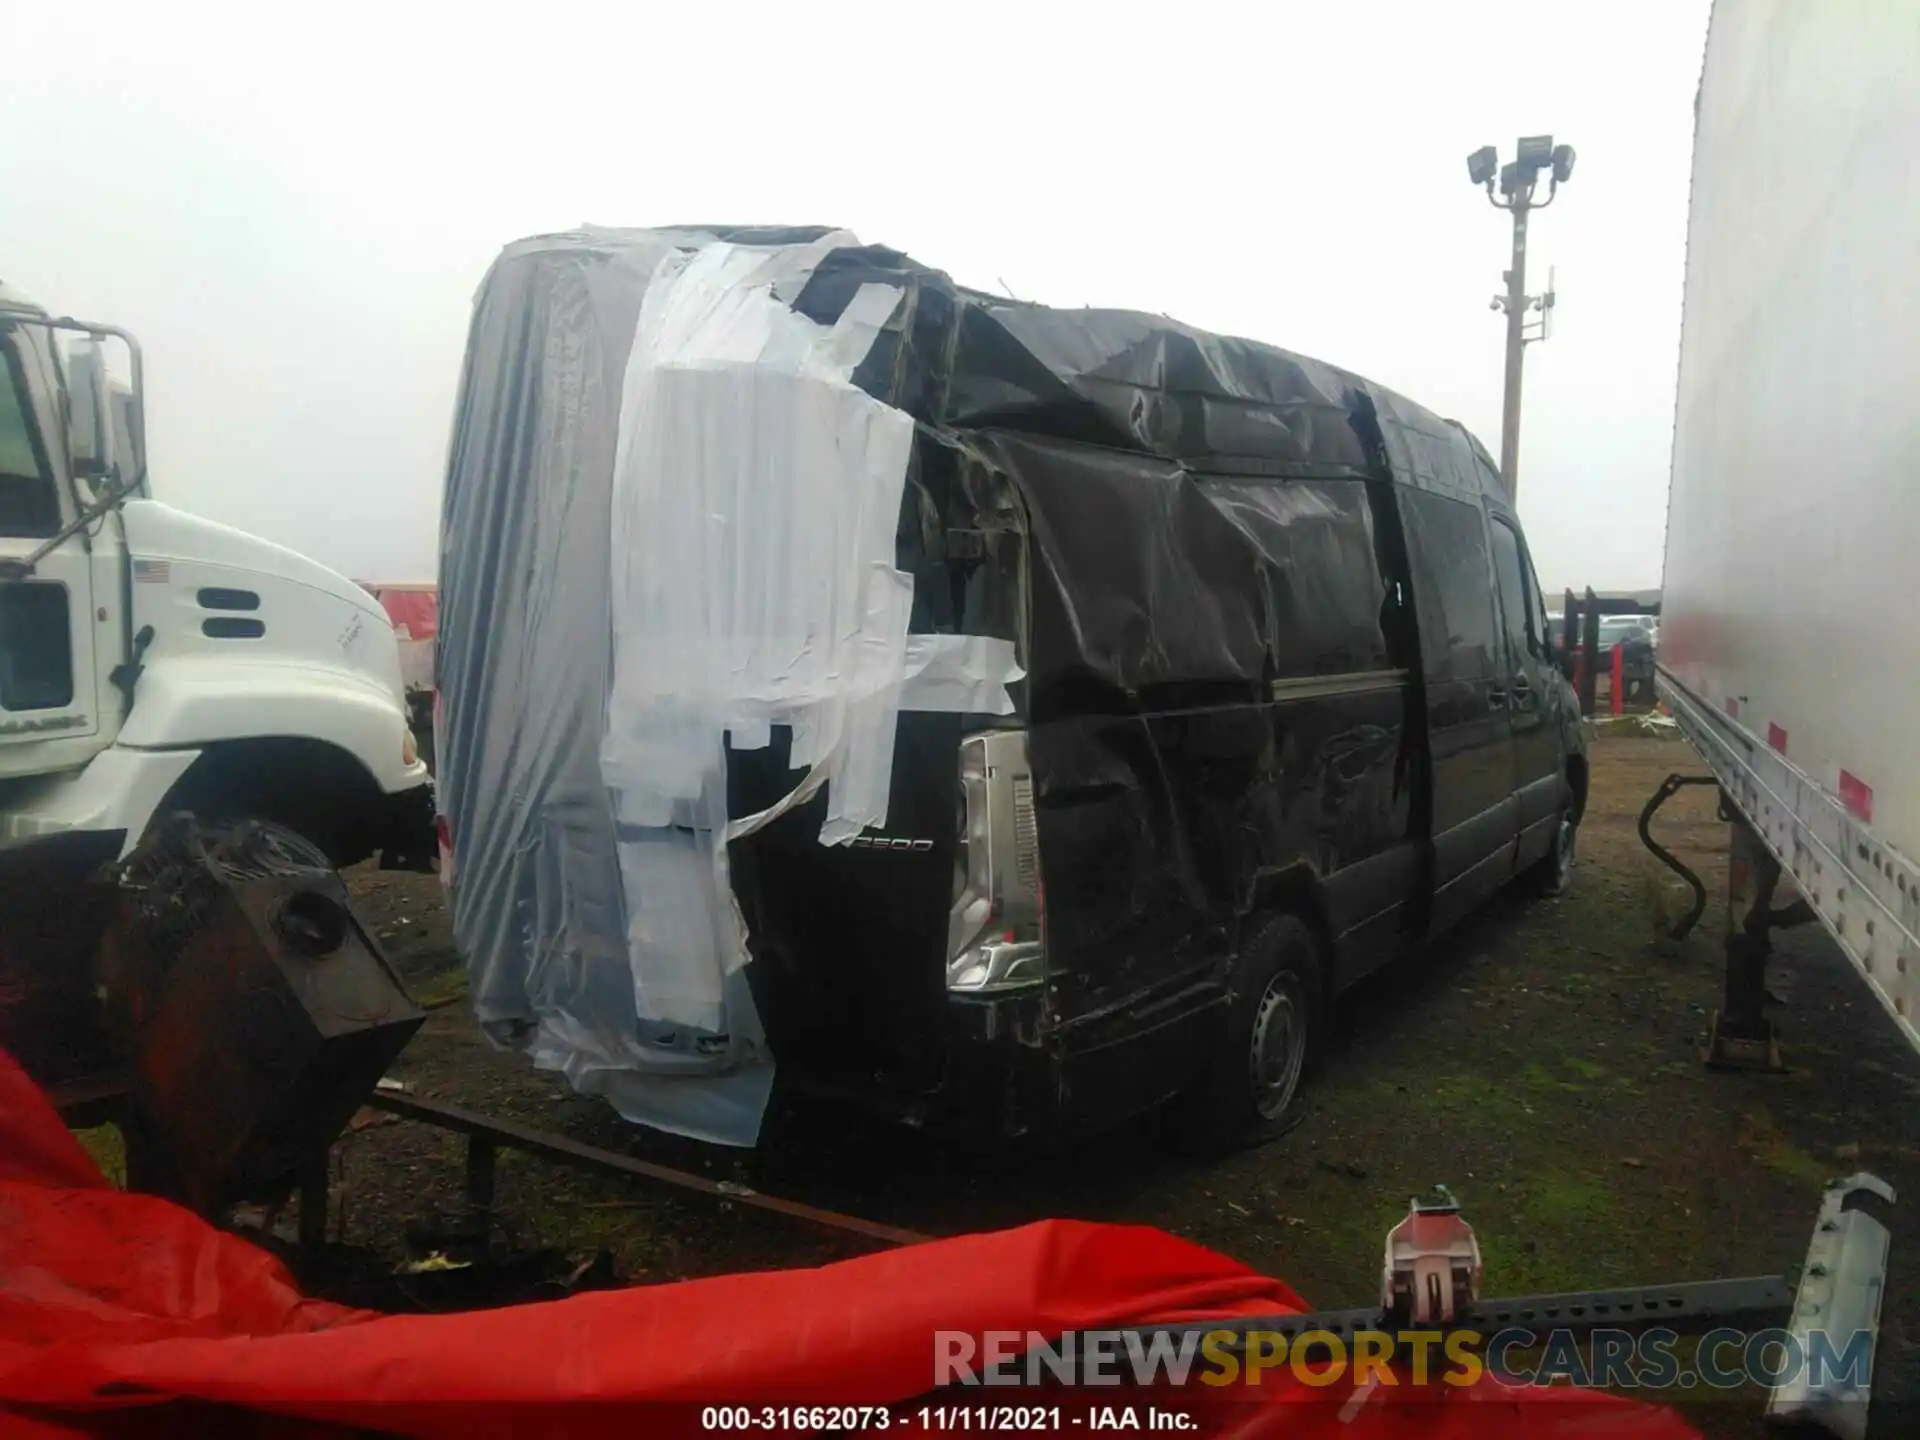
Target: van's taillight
973, 853
1026, 836
994, 939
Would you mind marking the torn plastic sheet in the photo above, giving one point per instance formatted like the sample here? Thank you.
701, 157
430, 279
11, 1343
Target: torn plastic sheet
670, 527
755, 496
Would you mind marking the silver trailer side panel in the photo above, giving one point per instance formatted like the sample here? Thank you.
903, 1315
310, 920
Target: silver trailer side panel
1790, 644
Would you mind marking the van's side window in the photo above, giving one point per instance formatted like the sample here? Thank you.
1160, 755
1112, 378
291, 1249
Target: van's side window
1452, 579
29, 505
1516, 602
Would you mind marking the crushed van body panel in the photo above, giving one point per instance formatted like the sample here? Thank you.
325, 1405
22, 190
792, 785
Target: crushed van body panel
744, 529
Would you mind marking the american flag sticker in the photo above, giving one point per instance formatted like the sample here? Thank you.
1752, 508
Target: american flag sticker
151, 572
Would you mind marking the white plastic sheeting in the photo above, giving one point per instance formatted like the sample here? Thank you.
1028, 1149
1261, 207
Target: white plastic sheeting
747, 496
756, 492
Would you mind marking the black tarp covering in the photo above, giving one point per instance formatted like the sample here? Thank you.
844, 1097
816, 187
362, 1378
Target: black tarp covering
1163, 520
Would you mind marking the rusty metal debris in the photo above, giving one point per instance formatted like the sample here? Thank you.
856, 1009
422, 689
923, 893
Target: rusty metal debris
255, 1011
486, 1136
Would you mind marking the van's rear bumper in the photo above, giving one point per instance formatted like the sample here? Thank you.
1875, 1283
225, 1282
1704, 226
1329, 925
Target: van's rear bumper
1006, 1073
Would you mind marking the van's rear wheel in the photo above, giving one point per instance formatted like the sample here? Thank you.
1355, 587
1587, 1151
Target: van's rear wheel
1250, 1091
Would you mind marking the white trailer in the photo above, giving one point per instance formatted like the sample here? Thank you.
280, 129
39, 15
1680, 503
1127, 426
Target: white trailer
1788, 655
1788, 652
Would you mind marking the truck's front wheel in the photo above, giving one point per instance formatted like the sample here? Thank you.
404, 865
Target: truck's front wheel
315, 790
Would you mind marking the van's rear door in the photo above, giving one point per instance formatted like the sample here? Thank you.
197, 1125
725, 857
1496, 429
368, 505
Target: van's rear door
849, 941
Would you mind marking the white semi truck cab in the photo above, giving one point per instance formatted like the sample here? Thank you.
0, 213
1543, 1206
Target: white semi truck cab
152, 661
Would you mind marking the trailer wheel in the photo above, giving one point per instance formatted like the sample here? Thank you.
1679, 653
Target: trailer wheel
1250, 1091
1553, 872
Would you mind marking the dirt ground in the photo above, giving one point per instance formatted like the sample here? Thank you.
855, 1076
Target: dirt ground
1543, 1062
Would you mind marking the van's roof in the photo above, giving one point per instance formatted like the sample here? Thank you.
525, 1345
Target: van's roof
1234, 399
965, 360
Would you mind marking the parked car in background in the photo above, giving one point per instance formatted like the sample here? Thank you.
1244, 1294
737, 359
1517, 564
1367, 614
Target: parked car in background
1638, 637
1625, 630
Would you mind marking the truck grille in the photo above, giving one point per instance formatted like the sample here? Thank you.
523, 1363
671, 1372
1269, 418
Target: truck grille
36, 647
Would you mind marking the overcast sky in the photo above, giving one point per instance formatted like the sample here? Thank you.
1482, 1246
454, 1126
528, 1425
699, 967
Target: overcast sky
293, 213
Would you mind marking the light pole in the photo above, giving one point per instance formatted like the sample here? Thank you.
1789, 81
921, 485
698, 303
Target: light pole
1518, 177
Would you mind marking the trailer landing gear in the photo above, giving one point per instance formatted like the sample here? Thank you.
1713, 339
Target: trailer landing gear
1742, 1037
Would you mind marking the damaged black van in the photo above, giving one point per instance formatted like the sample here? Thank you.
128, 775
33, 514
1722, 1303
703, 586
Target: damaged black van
1286, 708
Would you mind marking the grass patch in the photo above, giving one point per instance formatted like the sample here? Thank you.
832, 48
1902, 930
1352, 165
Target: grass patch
1464, 1103
1780, 1155
108, 1149
1546, 1219
1541, 1082
579, 1220
1563, 1200
1576, 984
1796, 1165
1559, 1231
441, 988
1539, 1079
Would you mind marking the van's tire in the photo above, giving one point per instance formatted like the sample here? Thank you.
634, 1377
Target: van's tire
1552, 873
1250, 1091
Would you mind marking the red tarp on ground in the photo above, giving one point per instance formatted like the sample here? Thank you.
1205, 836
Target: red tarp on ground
123, 1314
